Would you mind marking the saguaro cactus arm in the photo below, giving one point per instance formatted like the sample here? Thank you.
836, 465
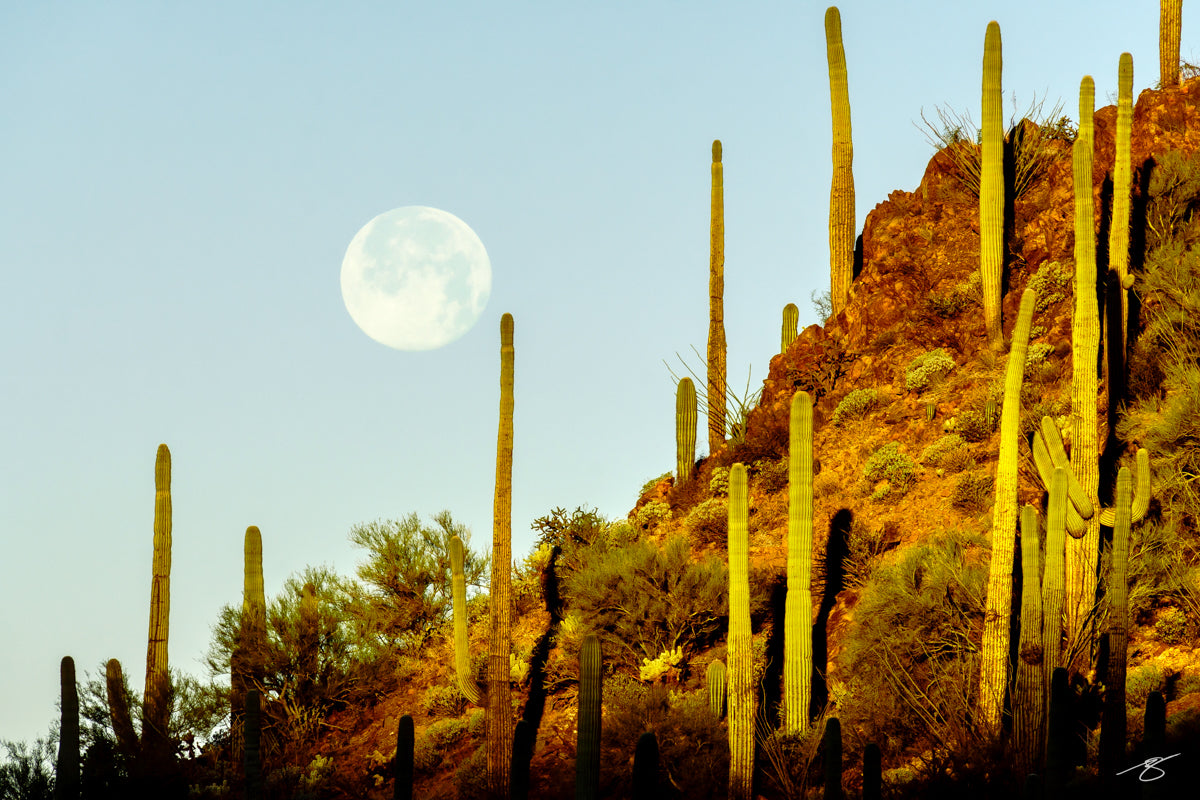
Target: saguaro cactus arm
458, 592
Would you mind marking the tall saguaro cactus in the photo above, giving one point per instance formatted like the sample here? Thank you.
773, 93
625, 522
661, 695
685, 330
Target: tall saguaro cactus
1112, 728
247, 664
685, 429
1083, 552
155, 705
1029, 699
841, 192
118, 708
1170, 14
310, 637
499, 709
993, 673
66, 772
991, 185
797, 637
1052, 581
1118, 233
716, 305
741, 665
587, 750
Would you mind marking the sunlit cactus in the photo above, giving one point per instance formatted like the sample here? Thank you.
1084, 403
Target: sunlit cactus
741, 666
797, 637
1170, 13
991, 184
587, 751
1029, 694
155, 702
791, 326
685, 429
841, 192
462, 651
715, 397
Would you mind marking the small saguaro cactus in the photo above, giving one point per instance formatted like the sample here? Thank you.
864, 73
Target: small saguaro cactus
841, 191
741, 664
715, 682
1052, 580
247, 665
118, 708
716, 306
155, 702
403, 789
791, 325
685, 429
1170, 14
797, 637
994, 648
645, 768
1112, 728
1029, 699
1059, 732
587, 750
310, 636
66, 771
462, 651
991, 184
832, 745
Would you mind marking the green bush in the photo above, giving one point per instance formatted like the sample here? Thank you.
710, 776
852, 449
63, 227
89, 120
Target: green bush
718, 482
650, 484
1140, 682
855, 405
972, 493
708, 521
770, 475
446, 733
926, 369
443, 701
864, 547
1052, 282
889, 464
937, 453
642, 599
470, 779
1172, 626
650, 515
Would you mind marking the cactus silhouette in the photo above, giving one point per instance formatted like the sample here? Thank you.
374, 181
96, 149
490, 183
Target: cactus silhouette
499, 710
832, 745
1052, 580
155, 703
741, 667
841, 191
715, 399
872, 772
310, 636
685, 429
994, 649
645, 768
118, 708
403, 789
991, 184
247, 665
66, 770
797, 637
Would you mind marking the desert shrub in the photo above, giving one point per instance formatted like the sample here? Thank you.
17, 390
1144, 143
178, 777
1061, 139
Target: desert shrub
650, 515
642, 599
864, 548
771, 475
855, 405
889, 464
583, 530
1172, 626
470, 779
1035, 354
1031, 415
935, 454
973, 424
1052, 282
1140, 682
1174, 196
443, 701
947, 305
926, 369
709, 521
650, 484
475, 723
912, 660
825, 484
446, 732
425, 755
972, 493
693, 745
718, 481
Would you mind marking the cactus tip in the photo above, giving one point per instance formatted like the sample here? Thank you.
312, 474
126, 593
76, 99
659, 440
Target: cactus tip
716, 150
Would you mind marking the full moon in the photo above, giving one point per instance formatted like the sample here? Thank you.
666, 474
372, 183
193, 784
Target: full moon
416, 278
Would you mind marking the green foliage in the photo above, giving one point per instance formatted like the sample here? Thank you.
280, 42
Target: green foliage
650, 484
650, 515
28, 772
770, 475
443, 701
407, 575
708, 521
972, 492
718, 481
889, 464
1172, 627
1140, 682
582, 531
855, 405
641, 599
471, 778
949, 304
446, 733
1036, 353
864, 547
944, 451
912, 660
1052, 282
1174, 198
926, 369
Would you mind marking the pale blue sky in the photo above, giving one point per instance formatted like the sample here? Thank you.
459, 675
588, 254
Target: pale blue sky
179, 186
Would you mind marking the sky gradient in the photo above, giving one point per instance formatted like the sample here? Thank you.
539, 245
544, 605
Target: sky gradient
180, 185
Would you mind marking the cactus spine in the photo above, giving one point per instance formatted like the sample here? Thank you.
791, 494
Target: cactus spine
1029, 699
1118, 236
155, 702
1169, 22
1052, 581
252, 754
841, 192
791, 325
587, 750
685, 429
994, 650
991, 185
499, 710
741, 667
645, 768
715, 681
403, 789
1085, 339
833, 759
1112, 728
797, 638
462, 654
716, 305
66, 771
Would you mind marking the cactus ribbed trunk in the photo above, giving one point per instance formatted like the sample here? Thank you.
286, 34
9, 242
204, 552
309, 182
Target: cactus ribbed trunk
118, 708
714, 681
1029, 698
587, 749
66, 771
499, 709
741, 659
1082, 553
716, 306
993, 674
251, 752
1112, 727
310, 637
254, 610
685, 429
991, 185
1118, 234
790, 328
797, 636
155, 701
841, 192
458, 593
1052, 581
1170, 13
